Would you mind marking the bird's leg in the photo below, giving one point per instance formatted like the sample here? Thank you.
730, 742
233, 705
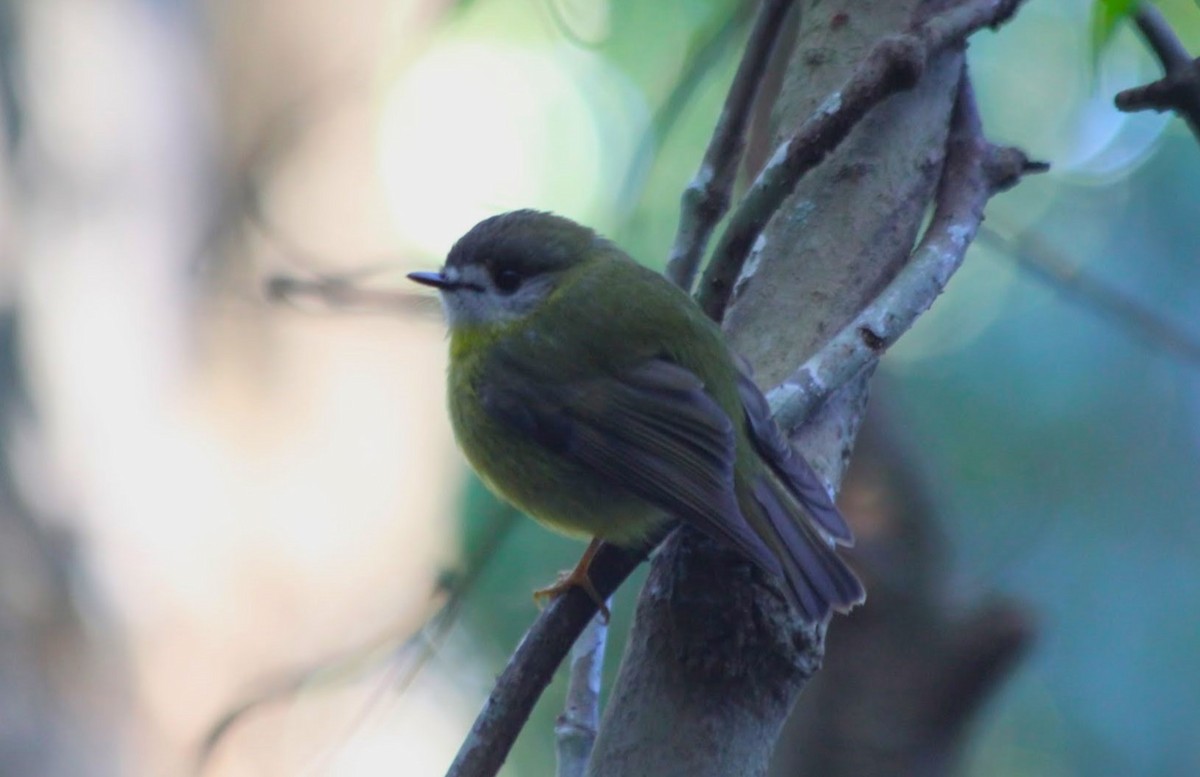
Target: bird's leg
576, 577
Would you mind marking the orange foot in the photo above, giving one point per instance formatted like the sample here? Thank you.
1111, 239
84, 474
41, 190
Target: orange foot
577, 577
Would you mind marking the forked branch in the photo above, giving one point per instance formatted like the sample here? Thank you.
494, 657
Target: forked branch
706, 198
974, 171
1179, 89
894, 64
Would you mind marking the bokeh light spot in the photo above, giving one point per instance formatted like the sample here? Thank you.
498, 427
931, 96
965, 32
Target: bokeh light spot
474, 129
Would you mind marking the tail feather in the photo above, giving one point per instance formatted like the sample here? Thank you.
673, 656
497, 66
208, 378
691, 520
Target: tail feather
795, 473
818, 581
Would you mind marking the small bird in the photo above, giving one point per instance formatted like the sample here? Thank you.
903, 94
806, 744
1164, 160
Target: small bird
597, 397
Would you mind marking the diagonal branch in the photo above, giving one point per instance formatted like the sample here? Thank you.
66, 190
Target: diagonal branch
534, 662
1179, 89
974, 171
1107, 300
1161, 38
706, 198
893, 65
408, 656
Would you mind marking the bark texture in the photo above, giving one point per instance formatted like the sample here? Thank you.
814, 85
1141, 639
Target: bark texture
715, 660
852, 221
710, 670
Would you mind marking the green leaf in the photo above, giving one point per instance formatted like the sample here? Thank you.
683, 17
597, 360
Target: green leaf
1106, 14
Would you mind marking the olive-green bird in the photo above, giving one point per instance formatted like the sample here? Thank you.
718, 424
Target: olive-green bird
595, 396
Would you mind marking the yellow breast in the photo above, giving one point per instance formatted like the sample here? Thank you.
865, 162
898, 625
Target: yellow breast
540, 482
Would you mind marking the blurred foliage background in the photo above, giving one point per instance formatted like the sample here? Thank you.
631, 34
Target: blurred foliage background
203, 491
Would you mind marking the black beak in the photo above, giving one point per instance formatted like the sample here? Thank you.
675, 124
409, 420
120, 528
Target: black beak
434, 279
440, 282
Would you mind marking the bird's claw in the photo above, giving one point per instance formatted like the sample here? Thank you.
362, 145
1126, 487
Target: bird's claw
576, 578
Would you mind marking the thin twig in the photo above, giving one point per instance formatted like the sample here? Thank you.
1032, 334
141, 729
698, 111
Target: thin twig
1161, 38
1142, 321
409, 655
1179, 89
893, 65
706, 198
576, 728
534, 662
973, 172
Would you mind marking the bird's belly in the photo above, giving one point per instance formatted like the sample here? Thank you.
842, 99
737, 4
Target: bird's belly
549, 488
584, 509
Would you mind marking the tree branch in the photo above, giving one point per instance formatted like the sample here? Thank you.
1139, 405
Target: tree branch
407, 656
1161, 38
974, 171
710, 669
534, 662
1179, 89
1105, 299
706, 198
894, 64
575, 729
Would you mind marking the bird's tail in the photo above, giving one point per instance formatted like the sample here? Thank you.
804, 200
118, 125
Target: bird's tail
817, 580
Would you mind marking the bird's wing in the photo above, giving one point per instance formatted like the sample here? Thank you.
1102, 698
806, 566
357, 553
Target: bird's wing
793, 471
795, 510
651, 430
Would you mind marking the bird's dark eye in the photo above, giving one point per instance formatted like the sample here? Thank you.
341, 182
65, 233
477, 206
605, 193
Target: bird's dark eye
507, 280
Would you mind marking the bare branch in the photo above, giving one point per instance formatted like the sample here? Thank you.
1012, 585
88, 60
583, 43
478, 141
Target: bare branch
1140, 320
1179, 89
706, 198
534, 662
1162, 39
575, 730
894, 64
407, 656
974, 171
